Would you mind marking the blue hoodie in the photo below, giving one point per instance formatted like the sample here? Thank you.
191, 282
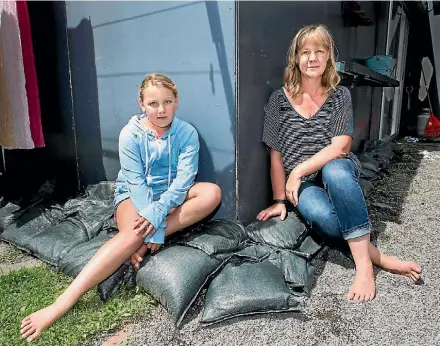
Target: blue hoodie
156, 173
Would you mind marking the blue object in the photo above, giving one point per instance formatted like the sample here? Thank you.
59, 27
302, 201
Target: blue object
156, 173
340, 66
380, 63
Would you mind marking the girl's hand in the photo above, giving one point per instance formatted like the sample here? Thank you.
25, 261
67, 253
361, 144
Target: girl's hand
153, 246
144, 227
273, 210
292, 187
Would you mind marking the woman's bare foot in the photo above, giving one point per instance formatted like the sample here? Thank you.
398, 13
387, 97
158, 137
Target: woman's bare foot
397, 266
34, 324
137, 258
363, 287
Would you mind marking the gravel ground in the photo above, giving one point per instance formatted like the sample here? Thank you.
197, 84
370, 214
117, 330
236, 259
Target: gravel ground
405, 213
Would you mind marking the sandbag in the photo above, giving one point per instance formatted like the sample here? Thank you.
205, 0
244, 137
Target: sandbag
369, 175
9, 213
216, 237
13, 209
287, 234
94, 208
247, 289
372, 166
40, 238
90, 213
251, 253
297, 271
124, 275
309, 248
366, 186
103, 191
175, 276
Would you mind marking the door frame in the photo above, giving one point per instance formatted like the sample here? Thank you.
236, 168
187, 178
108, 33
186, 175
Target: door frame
400, 72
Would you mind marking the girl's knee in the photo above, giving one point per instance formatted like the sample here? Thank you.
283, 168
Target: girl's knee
211, 194
128, 237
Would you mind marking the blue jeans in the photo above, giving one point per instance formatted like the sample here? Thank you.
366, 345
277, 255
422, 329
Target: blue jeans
333, 204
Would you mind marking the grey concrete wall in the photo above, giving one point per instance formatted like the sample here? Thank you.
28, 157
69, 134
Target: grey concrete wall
265, 31
113, 45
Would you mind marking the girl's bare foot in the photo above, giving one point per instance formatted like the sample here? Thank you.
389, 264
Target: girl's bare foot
363, 287
34, 324
137, 258
397, 266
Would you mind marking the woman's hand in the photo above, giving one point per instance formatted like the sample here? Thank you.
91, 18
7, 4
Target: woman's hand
292, 187
144, 227
273, 210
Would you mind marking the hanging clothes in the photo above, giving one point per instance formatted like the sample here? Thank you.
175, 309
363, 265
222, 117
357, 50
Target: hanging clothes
6, 138
30, 73
20, 113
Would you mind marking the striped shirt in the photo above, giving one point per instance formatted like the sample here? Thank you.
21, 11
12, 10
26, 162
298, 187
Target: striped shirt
299, 138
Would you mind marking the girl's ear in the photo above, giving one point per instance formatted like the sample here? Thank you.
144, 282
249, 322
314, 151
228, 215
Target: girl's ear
177, 101
141, 105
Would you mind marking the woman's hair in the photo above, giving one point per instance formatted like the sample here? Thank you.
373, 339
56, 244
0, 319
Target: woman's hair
154, 79
292, 74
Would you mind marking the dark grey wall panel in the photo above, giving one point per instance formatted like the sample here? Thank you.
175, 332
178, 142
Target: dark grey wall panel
265, 31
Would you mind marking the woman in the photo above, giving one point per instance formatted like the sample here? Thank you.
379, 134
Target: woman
308, 127
155, 194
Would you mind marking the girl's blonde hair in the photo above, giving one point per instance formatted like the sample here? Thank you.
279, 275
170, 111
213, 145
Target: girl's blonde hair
292, 73
157, 79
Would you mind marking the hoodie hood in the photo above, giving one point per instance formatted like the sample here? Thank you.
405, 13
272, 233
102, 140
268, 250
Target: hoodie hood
159, 151
136, 121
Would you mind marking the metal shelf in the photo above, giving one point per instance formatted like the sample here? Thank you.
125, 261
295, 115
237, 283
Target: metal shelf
354, 74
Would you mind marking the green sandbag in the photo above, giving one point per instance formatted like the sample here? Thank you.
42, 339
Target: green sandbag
103, 191
309, 248
12, 210
175, 276
287, 234
124, 275
247, 289
50, 233
252, 253
91, 213
297, 271
216, 237
49, 244
9, 213
39, 232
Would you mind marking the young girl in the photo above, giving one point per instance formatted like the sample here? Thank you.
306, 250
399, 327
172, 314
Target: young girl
308, 127
155, 194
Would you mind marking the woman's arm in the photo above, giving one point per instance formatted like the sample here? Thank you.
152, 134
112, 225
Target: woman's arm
277, 175
339, 148
278, 180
